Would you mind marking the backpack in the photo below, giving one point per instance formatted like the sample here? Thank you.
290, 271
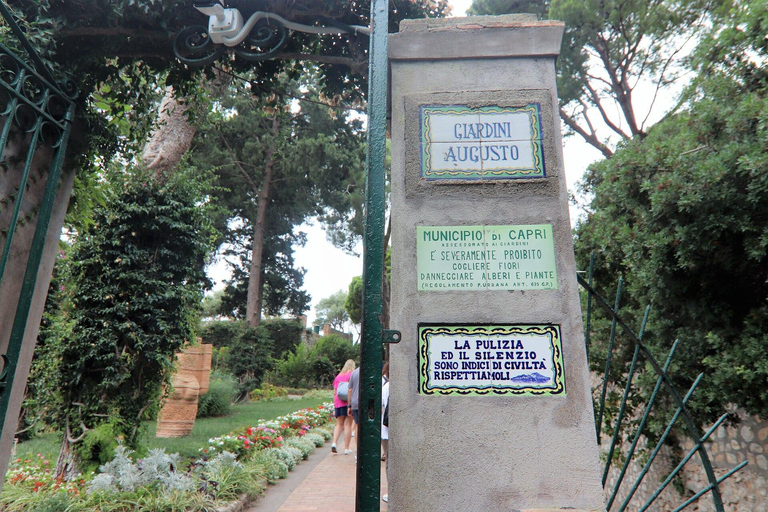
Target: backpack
343, 391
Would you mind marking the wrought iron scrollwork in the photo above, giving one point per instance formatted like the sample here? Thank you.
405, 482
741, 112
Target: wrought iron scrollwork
262, 37
264, 41
194, 47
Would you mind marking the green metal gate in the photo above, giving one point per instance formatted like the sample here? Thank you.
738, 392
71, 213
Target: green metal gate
37, 115
630, 425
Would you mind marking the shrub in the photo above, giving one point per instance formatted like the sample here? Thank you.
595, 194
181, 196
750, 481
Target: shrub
317, 366
221, 333
336, 350
218, 400
98, 446
268, 392
135, 281
327, 435
289, 456
273, 465
285, 334
248, 359
317, 439
292, 370
304, 446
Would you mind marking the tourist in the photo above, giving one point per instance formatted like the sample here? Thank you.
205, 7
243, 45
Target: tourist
341, 413
354, 400
385, 426
384, 400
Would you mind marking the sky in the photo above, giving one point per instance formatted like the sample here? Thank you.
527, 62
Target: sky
329, 269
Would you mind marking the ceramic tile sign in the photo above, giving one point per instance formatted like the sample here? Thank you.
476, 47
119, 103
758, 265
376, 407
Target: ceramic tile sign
490, 360
485, 143
486, 258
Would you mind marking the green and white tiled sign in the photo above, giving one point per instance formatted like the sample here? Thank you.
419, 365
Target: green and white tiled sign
486, 258
490, 360
484, 143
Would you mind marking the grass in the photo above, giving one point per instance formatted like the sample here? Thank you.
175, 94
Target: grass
243, 415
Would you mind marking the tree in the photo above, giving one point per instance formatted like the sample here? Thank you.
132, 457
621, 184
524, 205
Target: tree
354, 303
331, 310
492, 7
682, 216
299, 161
135, 282
610, 47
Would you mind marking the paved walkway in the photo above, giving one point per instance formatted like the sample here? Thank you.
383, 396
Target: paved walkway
324, 483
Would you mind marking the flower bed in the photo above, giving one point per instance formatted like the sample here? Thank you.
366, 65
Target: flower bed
239, 463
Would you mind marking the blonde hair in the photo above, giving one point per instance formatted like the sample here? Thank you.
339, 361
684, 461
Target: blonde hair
348, 366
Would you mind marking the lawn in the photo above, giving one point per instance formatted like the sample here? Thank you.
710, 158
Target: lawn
243, 415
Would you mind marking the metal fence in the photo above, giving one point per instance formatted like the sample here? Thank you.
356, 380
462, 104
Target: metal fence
622, 423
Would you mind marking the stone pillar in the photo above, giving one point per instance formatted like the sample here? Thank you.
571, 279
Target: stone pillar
191, 380
490, 399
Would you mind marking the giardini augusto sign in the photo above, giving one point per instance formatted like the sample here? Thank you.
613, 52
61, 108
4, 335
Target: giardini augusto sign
483, 143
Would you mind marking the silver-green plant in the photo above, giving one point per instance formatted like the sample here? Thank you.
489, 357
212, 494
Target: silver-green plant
305, 446
316, 439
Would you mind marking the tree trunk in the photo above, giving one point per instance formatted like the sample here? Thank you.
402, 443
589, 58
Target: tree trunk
254, 301
174, 132
66, 467
172, 137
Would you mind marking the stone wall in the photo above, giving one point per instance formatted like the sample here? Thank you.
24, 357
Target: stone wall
747, 490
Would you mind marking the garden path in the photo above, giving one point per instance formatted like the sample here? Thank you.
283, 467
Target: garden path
324, 483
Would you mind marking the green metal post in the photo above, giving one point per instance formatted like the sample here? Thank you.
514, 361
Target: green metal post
369, 439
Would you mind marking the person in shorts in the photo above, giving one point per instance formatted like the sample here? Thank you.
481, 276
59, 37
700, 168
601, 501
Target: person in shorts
344, 422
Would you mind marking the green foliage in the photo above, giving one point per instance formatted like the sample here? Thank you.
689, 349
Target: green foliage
337, 350
249, 357
304, 446
273, 465
220, 333
284, 333
296, 165
610, 46
316, 366
134, 283
682, 215
354, 302
212, 305
98, 446
332, 310
296, 368
268, 392
247, 353
484, 7
217, 401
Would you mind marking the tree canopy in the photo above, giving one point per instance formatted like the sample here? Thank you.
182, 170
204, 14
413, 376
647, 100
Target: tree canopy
612, 47
301, 159
354, 302
682, 216
331, 310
